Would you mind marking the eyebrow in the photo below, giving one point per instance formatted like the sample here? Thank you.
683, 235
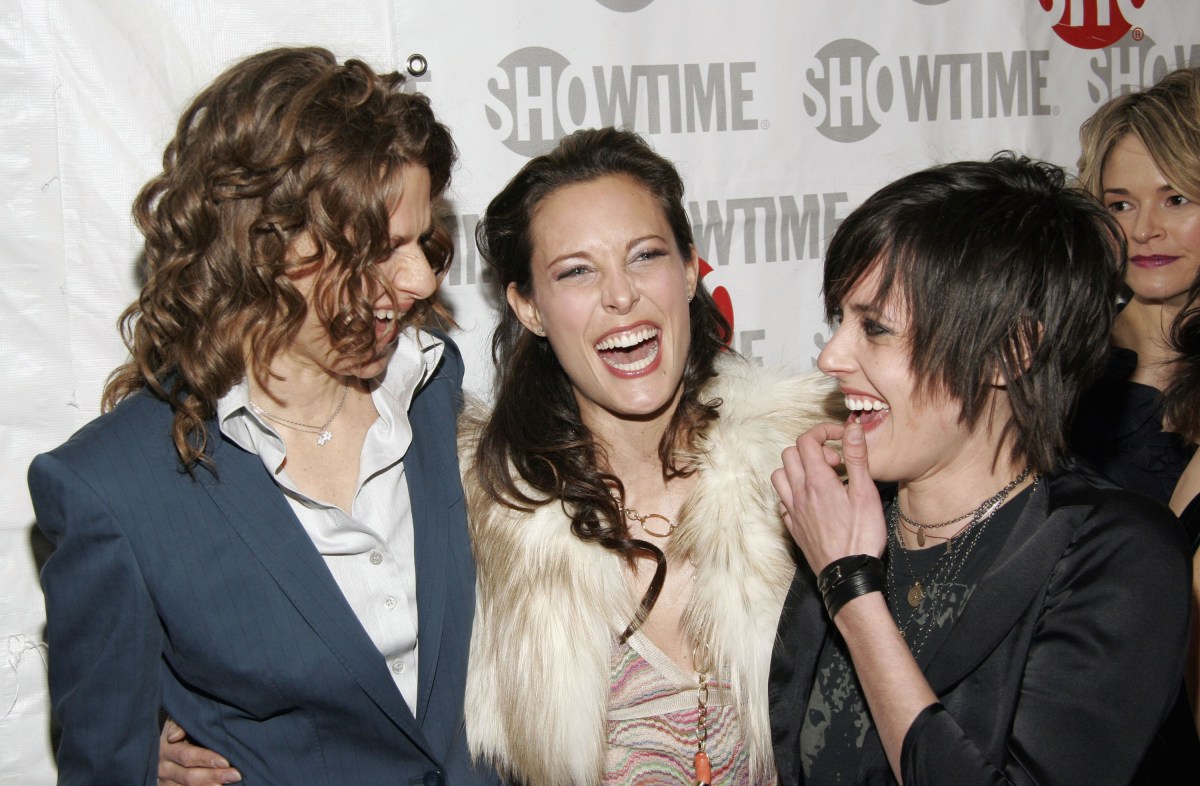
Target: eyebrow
587, 255
862, 308
1125, 191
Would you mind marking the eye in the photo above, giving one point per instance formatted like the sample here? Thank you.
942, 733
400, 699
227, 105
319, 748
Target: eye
1177, 200
574, 271
873, 329
1118, 206
389, 254
648, 255
835, 318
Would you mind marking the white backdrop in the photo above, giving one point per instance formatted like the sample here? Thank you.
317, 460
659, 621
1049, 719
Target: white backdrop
782, 115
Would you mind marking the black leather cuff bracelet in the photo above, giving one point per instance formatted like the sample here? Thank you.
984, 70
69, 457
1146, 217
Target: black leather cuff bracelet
845, 579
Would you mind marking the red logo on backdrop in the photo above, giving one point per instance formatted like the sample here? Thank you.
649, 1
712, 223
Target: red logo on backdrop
723, 301
1091, 24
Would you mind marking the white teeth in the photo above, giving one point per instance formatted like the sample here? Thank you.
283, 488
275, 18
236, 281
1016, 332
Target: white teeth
389, 315
864, 404
632, 338
636, 365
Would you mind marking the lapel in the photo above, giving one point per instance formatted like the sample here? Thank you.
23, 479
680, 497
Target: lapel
1018, 576
427, 482
260, 515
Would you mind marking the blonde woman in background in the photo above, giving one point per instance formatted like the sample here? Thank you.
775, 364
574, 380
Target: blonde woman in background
1141, 158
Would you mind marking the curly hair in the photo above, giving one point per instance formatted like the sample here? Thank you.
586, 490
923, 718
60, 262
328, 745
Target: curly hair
285, 146
1165, 117
535, 426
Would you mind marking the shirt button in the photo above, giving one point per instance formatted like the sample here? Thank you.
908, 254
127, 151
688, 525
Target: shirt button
376, 558
390, 602
398, 667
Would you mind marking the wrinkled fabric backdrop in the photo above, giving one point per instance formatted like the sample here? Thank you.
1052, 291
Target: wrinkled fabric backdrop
782, 117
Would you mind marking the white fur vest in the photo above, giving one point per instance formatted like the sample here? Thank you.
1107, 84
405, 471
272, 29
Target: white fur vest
550, 606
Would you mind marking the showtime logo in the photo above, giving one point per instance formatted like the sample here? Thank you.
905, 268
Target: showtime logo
537, 96
852, 88
1092, 24
1132, 64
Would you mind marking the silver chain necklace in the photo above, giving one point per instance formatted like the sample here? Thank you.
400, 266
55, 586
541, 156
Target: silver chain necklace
322, 431
947, 568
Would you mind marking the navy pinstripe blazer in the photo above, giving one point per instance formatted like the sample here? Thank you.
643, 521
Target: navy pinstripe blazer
204, 596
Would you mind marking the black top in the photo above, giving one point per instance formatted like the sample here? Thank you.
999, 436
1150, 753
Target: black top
1118, 429
838, 724
1060, 668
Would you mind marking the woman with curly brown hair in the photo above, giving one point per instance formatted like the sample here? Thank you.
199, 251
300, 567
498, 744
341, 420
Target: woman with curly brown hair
244, 535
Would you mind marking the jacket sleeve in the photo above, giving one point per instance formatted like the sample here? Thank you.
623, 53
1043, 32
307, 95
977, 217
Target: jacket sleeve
1104, 663
104, 635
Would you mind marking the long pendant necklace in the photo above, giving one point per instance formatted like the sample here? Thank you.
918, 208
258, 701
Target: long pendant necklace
703, 767
700, 760
945, 571
322, 431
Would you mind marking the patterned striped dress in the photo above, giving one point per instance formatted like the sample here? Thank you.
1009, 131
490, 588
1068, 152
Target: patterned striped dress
652, 714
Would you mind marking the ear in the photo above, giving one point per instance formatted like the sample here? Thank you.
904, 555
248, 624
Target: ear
524, 309
691, 271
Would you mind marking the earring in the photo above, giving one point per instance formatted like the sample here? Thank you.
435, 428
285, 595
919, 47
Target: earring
541, 331
692, 295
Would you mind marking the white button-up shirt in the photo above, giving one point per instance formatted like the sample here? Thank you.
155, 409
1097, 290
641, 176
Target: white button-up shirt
370, 552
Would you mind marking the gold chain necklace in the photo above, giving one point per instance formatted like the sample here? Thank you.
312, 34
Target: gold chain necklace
633, 515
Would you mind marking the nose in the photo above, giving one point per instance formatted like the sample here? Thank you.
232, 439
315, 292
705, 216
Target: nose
1146, 225
620, 292
835, 359
415, 276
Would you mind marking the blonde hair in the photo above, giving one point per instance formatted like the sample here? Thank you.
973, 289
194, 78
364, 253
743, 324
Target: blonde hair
1165, 117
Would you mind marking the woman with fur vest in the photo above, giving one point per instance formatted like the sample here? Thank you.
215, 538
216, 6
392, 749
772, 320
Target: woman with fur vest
631, 560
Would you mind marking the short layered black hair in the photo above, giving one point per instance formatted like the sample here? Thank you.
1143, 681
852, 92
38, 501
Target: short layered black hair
1006, 273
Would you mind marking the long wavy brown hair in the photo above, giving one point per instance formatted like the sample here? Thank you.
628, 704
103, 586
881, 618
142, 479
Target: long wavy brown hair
535, 428
284, 146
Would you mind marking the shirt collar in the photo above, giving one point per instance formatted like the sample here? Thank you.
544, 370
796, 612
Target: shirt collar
412, 364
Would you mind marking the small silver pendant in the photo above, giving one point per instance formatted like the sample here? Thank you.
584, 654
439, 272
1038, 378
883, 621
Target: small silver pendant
324, 437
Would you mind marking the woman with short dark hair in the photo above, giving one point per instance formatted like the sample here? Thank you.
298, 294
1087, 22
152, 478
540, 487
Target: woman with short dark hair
1003, 616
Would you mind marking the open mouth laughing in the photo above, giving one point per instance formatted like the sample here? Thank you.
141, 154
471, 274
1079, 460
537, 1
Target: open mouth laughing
630, 351
870, 411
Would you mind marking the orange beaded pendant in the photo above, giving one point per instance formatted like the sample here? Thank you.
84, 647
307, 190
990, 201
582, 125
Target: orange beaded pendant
703, 769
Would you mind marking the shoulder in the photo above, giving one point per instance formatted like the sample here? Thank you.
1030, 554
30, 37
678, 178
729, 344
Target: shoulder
116, 461
140, 424
1112, 522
